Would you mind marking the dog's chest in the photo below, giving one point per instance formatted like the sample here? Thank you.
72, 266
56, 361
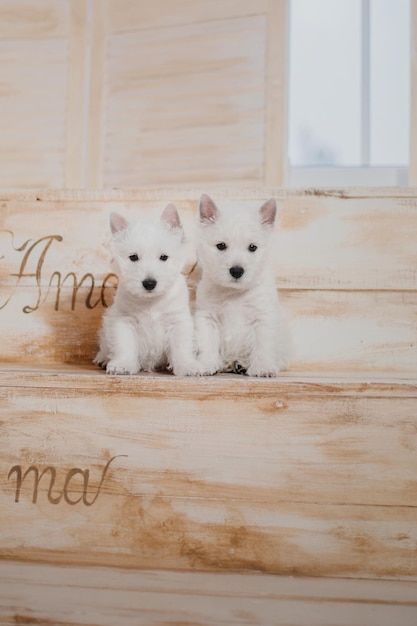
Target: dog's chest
236, 323
151, 331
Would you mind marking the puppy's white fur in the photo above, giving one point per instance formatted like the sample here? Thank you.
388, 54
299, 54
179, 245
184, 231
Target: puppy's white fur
240, 324
148, 328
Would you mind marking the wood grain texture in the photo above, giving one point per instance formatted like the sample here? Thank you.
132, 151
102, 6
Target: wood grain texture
99, 25
186, 104
76, 146
126, 15
310, 478
366, 331
34, 67
25, 19
192, 95
276, 139
38, 594
97, 92
325, 240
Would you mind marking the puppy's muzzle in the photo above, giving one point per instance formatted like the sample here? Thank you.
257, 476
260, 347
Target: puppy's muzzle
236, 271
149, 284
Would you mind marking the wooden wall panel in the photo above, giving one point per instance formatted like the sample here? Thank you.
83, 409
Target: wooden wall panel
125, 15
42, 61
122, 94
186, 104
33, 104
25, 19
79, 76
192, 96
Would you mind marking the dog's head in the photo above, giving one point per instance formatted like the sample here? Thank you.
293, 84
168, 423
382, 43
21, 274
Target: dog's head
149, 254
232, 245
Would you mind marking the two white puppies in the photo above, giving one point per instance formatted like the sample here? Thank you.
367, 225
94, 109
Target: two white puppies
239, 323
149, 325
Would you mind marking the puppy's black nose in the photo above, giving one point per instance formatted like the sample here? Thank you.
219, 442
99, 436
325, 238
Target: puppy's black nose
237, 271
149, 284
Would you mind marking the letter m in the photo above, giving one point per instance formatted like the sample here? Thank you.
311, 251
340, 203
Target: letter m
37, 478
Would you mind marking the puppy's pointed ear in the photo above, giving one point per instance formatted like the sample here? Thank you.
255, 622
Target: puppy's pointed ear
268, 212
117, 223
208, 210
170, 216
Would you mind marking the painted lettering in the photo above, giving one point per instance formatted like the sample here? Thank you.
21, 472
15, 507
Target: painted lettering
65, 493
32, 268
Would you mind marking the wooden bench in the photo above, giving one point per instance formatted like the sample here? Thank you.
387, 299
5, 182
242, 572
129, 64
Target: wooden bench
312, 473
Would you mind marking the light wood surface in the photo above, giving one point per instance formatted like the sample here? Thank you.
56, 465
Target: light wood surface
310, 477
37, 594
76, 147
34, 70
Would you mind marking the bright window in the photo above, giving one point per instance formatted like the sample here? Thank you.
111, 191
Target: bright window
349, 84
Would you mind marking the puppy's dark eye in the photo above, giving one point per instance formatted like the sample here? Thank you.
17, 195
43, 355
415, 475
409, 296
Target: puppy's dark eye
134, 257
221, 246
252, 247
163, 257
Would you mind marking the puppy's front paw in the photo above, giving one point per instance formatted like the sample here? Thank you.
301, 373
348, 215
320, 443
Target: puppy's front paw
191, 368
262, 372
120, 368
101, 360
210, 367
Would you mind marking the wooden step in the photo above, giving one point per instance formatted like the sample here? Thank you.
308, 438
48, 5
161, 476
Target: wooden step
345, 266
76, 596
309, 474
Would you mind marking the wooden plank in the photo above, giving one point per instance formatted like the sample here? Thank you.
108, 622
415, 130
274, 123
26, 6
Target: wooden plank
276, 96
26, 19
338, 331
76, 142
33, 104
353, 330
221, 193
100, 596
215, 535
319, 424
222, 473
379, 384
125, 15
99, 19
324, 242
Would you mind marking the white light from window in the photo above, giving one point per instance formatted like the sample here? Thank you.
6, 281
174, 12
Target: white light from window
324, 103
390, 81
336, 118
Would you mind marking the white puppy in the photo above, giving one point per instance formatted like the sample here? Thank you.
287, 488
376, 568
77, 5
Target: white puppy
240, 324
149, 325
